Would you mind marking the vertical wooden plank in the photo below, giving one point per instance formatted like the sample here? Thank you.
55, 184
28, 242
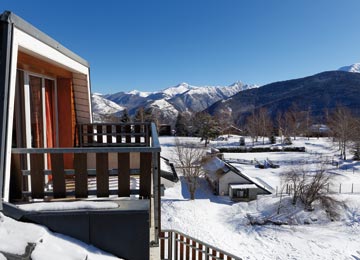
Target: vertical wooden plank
170, 245
137, 134
193, 253
187, 247
162, 245
102, 175
90, 132
207, 250
145, 174
99, 134
176, 248
123, 174
118, 135
81, 176
200, 254
58, 173
109, 134
214, 254
37, 175
16, 178
221, 256
228, 258
181, 247
127, 134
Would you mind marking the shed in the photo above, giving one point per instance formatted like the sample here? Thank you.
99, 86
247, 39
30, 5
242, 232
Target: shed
226, 179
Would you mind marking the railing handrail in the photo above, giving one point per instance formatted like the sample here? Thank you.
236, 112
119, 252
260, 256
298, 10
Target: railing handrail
200, 242
121, 149
120, 124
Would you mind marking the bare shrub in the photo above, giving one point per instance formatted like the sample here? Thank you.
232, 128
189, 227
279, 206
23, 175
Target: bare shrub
310, 186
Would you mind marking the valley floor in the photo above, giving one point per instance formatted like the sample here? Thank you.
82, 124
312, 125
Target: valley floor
218, 221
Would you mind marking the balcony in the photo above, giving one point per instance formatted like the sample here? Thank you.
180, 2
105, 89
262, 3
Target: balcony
117, 162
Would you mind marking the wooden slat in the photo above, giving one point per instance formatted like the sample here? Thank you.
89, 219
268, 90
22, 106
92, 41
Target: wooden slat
170, 245
102, 175
118, 137
37, 175
214, 254
137, 137
187, 248
124, 174
57, 166
193, 253
109, 134
128, 130
162, 245
81, 176
221, 256
176, 246
207, 253
145, 174
90, 139
181, 248
100, 134
200, 254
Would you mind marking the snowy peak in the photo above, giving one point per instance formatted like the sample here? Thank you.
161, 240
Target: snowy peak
102, 106
139, 93
352, 68
176, 90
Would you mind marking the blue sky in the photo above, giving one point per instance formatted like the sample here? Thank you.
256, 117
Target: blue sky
150, 45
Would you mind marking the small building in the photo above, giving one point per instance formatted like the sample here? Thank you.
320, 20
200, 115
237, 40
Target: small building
229, 180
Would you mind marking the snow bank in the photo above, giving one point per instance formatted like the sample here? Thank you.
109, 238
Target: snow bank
68, 205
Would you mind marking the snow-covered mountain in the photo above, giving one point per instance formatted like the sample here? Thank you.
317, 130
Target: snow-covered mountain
352, 68
168, 102
103, 107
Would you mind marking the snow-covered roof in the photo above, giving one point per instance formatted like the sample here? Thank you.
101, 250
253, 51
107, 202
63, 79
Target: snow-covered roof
214, 165
243, 186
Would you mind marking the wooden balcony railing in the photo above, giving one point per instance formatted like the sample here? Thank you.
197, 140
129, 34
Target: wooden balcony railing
175, 245
110, 172
127, 134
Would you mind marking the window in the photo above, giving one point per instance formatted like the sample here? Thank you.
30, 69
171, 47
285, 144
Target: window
243, 193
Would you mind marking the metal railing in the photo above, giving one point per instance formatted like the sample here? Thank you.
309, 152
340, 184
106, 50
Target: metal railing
175, 245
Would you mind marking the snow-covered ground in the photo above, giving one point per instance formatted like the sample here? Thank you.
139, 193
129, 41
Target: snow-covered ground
218, 221
15, 235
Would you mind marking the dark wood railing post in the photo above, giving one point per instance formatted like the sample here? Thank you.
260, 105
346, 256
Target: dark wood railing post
102, 175
37, 175
123, 174
90, 134
58, 174
145, 174
99, 134
81, 175
109, 134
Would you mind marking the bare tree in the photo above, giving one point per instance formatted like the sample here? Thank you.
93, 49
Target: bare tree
343, 126
188, 159
265, 123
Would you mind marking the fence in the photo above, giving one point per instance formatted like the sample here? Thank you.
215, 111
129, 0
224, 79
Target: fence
341, 188
175, 245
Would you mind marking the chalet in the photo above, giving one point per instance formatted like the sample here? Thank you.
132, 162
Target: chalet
229, 180
51, 150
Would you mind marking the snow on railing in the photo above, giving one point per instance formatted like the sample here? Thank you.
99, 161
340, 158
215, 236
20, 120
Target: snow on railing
175, 245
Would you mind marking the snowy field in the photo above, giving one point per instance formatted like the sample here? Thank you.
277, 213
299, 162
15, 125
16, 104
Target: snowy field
219, 222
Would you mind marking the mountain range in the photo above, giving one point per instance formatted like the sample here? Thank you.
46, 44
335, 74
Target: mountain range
166, 103
315, 93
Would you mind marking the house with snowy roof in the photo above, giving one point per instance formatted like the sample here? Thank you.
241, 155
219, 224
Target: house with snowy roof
228, 180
